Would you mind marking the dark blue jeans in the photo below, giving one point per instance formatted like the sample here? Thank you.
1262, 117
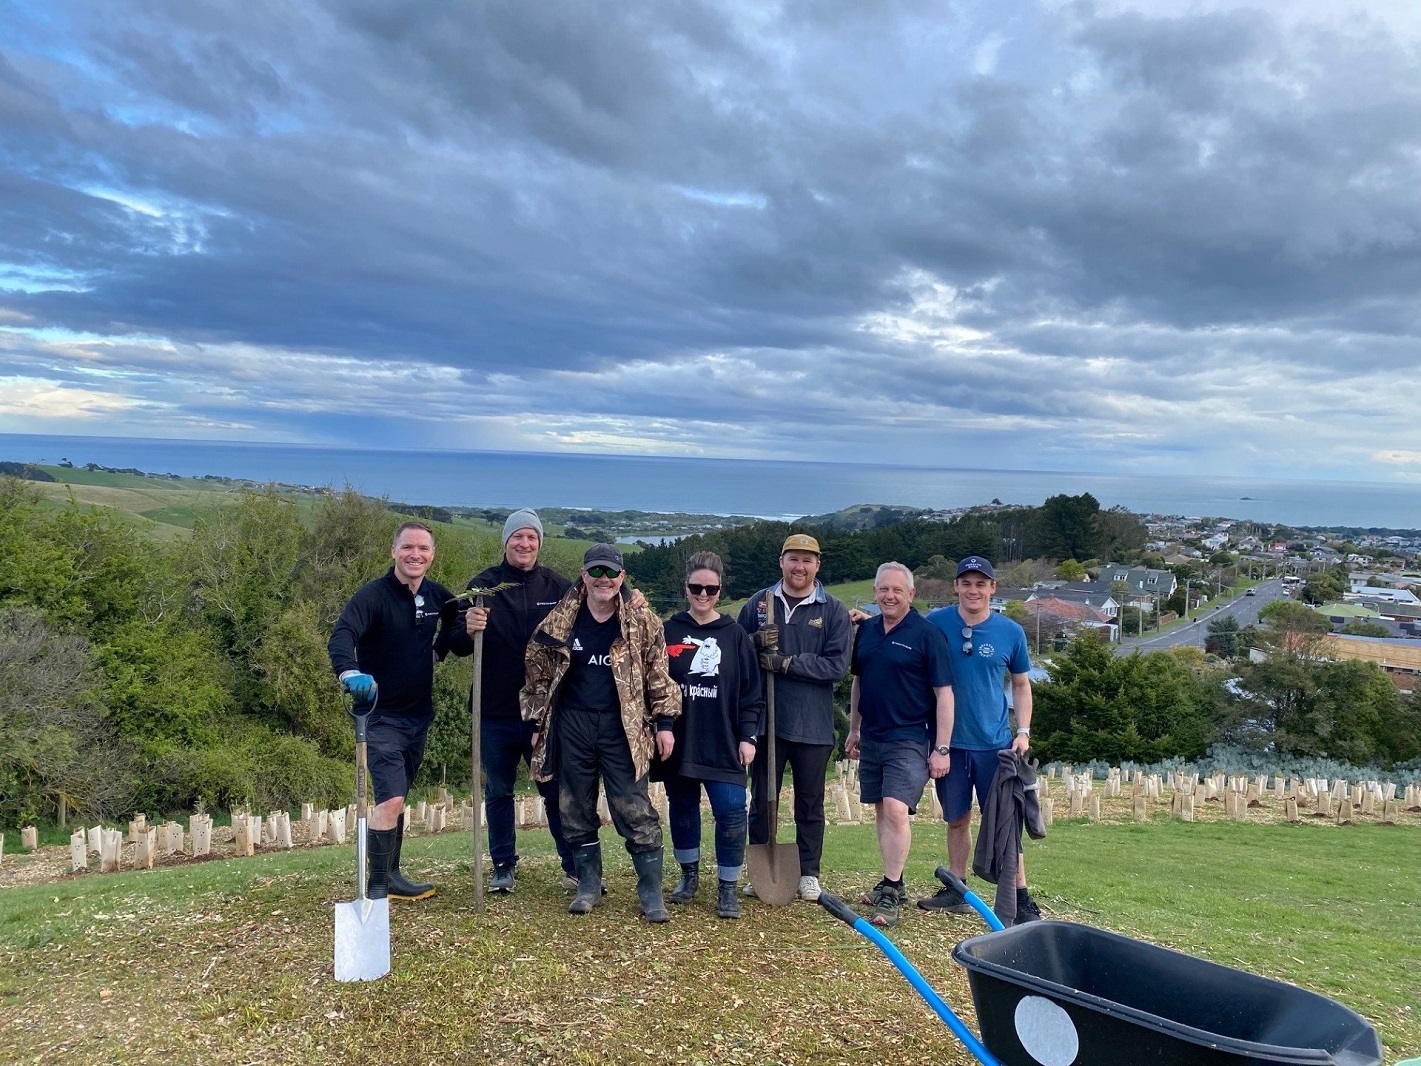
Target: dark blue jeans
731, 822
503, 742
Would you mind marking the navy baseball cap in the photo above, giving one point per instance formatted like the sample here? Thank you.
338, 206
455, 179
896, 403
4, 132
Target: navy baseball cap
975, 563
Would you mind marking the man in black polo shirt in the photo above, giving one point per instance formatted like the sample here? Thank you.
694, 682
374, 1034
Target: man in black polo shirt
389, 635
900, 719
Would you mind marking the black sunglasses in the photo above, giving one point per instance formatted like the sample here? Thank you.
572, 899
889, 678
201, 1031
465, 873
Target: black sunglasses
603, 571
702, 590
967, 644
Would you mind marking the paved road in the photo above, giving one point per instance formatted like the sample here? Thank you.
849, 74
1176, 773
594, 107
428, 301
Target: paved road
1244, 608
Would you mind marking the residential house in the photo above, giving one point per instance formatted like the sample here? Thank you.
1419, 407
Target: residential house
1065, 616
1142, 581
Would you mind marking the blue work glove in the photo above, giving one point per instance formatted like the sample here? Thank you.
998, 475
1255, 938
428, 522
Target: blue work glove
361, 686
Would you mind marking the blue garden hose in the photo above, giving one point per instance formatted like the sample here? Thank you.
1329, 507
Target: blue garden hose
840, 910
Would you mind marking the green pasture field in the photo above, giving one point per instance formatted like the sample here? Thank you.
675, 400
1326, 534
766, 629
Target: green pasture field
230, 960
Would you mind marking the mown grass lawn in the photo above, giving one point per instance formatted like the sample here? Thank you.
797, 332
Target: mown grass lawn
229, 961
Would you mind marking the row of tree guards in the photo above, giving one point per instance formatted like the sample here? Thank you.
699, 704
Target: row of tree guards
1080, 795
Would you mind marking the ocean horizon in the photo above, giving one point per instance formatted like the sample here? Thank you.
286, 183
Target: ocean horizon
763, 488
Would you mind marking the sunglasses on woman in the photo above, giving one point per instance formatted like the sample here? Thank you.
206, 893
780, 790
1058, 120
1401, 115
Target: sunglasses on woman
702, 590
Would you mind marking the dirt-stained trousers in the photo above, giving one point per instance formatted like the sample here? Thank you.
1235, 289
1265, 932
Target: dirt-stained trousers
592, 746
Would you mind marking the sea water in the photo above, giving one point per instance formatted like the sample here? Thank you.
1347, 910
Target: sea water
721, 486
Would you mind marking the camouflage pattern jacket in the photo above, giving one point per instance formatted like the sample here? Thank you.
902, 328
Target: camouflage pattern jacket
639, 667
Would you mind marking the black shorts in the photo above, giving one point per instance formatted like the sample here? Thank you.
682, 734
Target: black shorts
395, 748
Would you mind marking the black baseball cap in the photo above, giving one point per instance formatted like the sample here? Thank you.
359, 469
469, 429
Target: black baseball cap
603, 555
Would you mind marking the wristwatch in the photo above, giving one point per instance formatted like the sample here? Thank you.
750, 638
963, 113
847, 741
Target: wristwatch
1023, 731
942, 749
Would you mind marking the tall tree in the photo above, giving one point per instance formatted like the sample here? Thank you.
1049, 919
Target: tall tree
1065, 528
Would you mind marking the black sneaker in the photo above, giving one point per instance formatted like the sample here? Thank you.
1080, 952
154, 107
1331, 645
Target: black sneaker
947, 899
1026, 910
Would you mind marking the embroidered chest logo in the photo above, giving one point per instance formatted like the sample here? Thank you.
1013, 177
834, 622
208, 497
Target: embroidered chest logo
817, 623
987, 651
576, 644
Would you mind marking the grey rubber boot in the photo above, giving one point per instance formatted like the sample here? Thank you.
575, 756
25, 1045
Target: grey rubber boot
648, 886
379, 848
689, 885
727, 903
589, 879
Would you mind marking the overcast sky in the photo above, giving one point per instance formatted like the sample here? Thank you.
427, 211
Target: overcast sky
1154, 237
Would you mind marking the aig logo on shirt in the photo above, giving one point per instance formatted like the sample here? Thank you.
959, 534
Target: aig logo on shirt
600, 660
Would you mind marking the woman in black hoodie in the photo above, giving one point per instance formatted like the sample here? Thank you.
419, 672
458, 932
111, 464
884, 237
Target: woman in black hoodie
714, 662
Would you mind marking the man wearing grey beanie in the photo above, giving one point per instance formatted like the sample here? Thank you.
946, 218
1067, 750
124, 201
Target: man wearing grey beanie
508, 623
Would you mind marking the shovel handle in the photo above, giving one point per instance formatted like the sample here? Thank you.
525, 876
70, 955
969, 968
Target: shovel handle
772, 784
476, 765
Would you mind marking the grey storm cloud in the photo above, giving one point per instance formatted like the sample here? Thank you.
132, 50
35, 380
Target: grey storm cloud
947, 223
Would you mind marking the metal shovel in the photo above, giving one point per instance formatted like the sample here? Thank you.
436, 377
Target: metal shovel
363, 924
773, 867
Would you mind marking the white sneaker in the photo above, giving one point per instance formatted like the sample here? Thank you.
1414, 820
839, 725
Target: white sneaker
749, 890
809, 888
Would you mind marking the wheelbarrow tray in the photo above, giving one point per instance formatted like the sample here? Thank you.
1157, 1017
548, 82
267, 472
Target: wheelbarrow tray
1057, 993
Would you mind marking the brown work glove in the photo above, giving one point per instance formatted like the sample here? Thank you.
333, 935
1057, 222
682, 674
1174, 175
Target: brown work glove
775, 663
766, 638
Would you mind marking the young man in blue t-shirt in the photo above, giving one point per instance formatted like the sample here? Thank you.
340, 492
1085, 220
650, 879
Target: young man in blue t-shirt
901, 699
986, 647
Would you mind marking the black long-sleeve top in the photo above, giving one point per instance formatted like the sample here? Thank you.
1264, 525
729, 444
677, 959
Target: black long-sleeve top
384, 633
513, 616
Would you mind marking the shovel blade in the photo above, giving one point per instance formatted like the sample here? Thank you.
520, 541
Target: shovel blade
774, 871
362, 939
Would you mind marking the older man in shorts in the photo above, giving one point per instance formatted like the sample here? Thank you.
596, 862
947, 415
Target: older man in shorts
901, 701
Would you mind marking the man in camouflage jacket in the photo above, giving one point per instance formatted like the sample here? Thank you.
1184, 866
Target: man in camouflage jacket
600, 693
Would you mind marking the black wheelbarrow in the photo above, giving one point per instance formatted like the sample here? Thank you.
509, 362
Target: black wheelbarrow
1061, 994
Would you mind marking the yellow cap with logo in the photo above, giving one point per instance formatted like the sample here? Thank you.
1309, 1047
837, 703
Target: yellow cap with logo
800, 542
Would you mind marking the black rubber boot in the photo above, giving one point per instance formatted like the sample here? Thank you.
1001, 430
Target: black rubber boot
589, 879
379, 848
689, 885
401, 887
727, 904
648, 886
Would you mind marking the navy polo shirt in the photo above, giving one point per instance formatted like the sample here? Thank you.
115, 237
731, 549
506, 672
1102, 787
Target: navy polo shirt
897, 673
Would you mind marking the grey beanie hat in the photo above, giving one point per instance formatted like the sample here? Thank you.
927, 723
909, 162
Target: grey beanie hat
524, 518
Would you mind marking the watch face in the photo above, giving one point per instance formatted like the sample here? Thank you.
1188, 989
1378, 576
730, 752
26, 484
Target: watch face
942, 749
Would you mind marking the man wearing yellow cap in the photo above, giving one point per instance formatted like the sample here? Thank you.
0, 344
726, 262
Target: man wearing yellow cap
807, 649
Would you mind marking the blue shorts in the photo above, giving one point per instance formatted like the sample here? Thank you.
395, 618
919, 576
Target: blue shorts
394, 750
893, 769
972, 768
